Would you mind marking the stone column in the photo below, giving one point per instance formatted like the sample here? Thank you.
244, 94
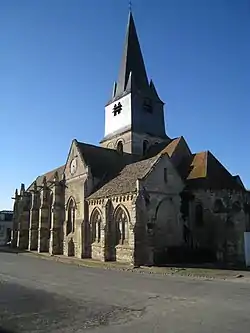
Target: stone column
14, 232
85, 249
44, 215
103, 239
143, 249
108, 233
23, 219
56, 232
34, 219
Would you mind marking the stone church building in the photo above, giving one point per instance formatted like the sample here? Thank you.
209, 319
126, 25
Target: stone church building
137, 194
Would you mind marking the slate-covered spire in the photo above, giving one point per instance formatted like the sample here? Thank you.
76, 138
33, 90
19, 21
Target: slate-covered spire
132, 61
154, 93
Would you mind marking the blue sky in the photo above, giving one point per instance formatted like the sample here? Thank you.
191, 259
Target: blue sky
59, 58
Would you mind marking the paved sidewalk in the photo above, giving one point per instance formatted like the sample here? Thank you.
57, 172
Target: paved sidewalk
193, 272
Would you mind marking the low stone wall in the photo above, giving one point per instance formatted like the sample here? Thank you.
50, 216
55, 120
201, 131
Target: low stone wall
97, 251
124, 253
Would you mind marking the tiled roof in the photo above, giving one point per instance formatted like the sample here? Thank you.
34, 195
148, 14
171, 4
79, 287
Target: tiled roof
165, 147
103, 161
203, 170
171, 147
118, 174
49, 177
157, 148
125, 181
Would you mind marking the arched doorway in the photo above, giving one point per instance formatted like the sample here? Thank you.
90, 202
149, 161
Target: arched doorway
167, 231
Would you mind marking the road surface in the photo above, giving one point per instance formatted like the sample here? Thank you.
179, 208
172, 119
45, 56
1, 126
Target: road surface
39, 295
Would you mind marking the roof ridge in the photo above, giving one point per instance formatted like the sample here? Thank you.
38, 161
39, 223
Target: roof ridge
156, 159
45, 173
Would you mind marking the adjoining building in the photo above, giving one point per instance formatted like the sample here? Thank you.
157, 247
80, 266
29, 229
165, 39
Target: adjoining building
137, 195
6, 224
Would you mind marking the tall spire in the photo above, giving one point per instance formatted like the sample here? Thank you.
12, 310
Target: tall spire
132, 61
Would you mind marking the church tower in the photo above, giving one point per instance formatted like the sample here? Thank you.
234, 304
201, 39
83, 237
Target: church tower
134, 117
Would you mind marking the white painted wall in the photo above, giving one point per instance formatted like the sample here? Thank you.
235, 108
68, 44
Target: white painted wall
124, 119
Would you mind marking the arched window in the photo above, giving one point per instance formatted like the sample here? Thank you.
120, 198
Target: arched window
236, 207
121, 223
71, 217
144, 147
95, 222
120, 147
218, 206
50, 210
199, 215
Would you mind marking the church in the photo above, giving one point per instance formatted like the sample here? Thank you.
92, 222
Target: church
139, 194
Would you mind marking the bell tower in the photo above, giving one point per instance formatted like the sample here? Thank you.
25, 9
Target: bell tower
134, 116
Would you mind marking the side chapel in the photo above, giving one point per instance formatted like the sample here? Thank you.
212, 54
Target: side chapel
139, 193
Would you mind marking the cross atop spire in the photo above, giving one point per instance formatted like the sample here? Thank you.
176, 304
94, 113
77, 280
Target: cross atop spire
132, 61
130, 6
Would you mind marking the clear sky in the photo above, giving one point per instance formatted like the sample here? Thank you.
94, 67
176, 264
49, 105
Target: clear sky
59, 58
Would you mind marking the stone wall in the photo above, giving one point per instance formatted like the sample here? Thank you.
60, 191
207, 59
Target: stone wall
223, 224
155, 202
78, 186
132, 142
164, 201
107, 247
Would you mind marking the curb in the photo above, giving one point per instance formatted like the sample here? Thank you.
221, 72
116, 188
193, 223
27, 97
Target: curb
169, 271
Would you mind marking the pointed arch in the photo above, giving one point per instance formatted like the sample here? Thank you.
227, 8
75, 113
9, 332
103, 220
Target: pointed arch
236, 206
145, 146
70, 210
96, 223
50, 210
120, 147
122, 221
69, 201
218, 206
199, 218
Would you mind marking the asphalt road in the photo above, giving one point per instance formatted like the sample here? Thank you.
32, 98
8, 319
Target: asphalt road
39, 295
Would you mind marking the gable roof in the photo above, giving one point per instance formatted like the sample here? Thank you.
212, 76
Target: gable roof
125, 181
200, 170
118, 173
171, 147
164, 147
203, 170
157, 148
103, 160
238, 180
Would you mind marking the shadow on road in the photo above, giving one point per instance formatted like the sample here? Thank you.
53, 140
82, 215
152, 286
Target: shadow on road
208, 266
9, 249
2, 330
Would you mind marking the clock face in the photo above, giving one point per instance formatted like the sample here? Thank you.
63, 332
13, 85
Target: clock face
73, 166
